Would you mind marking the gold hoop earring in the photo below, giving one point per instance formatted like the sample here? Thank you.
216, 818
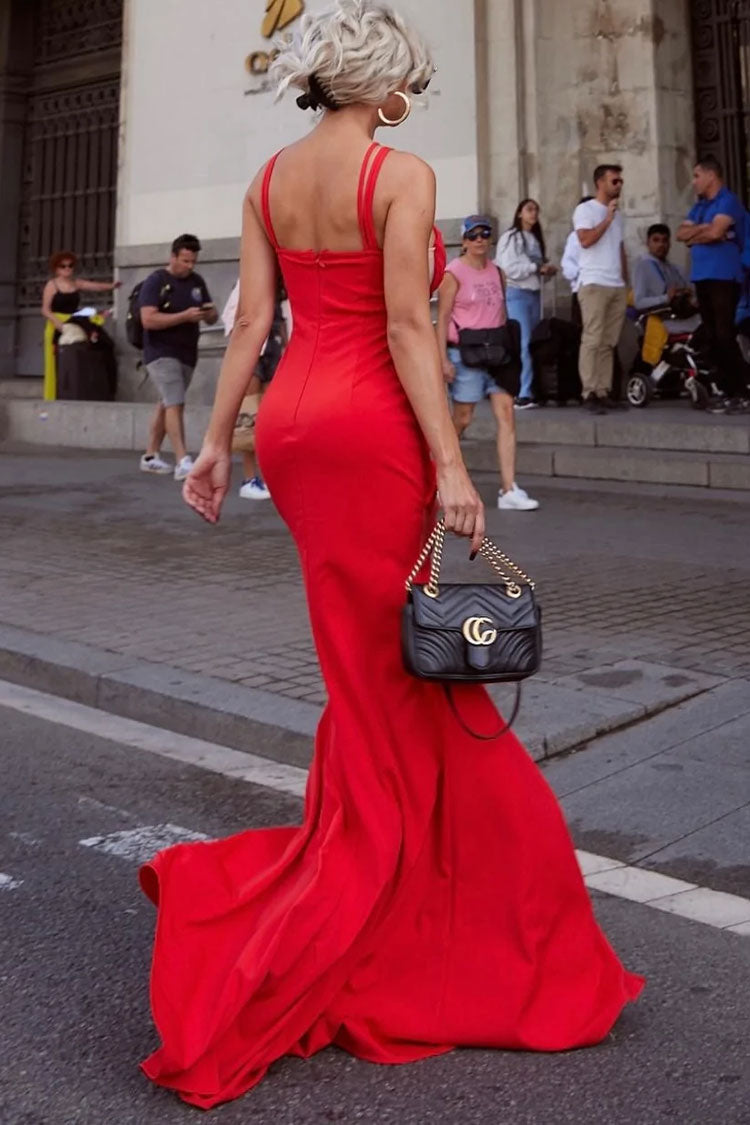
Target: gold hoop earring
399, 120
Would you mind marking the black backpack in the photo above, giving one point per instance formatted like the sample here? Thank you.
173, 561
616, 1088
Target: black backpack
133, 324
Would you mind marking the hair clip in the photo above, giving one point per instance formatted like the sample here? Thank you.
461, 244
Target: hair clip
316, 96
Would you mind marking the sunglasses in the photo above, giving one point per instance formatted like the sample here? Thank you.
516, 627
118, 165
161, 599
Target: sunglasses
618, 182
66, 265
475, 235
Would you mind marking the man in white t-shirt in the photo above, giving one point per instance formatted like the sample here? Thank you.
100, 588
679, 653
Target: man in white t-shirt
603, 283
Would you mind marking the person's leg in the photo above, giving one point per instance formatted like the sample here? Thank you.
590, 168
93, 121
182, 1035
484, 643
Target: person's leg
156, 431
704, 296
502, 408
463, 412
510, 497
617, 304
592, 299
466, 390
249, 460
523, 306
167, 376
175, 423
732, 366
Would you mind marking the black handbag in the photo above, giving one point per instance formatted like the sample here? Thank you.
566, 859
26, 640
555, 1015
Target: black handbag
471, 633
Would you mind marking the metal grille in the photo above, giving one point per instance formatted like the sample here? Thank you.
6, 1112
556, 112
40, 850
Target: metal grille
721, 70
70, 152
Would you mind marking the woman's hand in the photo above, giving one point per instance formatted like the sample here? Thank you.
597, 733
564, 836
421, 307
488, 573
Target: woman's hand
548, 270
208, 482
449, 370
461, 503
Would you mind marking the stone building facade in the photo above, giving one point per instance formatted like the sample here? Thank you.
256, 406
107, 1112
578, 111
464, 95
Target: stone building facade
529, 96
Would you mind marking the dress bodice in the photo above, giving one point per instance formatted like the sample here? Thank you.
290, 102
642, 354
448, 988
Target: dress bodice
328, 287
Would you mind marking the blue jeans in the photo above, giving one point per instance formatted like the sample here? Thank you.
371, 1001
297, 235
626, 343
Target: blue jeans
525, 306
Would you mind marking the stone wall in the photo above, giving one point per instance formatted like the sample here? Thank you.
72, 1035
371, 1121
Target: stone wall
592, 81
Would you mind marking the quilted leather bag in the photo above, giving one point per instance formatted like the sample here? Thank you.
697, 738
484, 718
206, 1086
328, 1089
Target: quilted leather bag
471, 633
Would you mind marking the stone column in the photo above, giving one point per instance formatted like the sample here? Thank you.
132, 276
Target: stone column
15, 67
571, 85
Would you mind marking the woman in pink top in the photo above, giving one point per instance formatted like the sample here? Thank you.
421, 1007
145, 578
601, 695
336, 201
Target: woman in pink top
472, 296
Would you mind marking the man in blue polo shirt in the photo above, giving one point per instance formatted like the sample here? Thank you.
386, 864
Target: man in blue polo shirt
715, 232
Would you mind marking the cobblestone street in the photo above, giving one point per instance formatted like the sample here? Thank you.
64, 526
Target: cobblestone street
97, 553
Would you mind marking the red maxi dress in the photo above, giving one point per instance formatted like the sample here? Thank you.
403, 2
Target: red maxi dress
431, 898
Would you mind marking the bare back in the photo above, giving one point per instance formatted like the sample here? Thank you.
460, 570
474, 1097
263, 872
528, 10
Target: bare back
313, 194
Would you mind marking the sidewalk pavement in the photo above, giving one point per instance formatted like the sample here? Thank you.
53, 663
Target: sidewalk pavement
113, 593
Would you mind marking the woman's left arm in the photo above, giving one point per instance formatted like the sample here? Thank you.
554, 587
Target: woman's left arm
208, 482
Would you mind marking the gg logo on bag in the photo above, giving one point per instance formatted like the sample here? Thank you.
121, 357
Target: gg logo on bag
479, 631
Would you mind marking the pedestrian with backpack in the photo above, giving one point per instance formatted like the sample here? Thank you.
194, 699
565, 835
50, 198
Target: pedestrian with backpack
173, 303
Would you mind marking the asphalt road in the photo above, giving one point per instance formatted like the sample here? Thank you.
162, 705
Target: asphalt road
74, 955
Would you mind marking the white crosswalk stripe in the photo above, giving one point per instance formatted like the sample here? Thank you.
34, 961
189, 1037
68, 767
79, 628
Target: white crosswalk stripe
636, 884
8, 883
140, 844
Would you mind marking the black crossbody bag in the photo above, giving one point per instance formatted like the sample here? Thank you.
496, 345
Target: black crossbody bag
490, 347
484, 633
483, 347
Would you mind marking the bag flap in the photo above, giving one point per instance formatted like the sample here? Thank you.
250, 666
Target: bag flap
456, 603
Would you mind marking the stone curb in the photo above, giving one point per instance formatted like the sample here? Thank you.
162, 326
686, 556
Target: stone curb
274, 726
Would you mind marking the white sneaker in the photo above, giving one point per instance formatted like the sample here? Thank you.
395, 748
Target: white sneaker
254, 489
516, 500
154, 464
184, 467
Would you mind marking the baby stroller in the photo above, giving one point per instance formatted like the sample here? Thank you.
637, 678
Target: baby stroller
669, 365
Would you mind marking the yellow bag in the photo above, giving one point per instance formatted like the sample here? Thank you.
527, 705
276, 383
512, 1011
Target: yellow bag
654, 341
243, 436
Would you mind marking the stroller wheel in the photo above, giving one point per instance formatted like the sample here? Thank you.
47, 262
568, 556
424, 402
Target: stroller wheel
639, 389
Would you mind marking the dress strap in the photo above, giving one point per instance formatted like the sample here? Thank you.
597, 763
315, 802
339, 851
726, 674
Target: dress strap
367, 183
265, 199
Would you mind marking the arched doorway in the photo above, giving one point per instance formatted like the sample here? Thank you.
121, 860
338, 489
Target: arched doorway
721, 71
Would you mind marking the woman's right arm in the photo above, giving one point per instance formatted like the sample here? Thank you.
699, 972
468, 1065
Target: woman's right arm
207, 484
47, 295
412, 340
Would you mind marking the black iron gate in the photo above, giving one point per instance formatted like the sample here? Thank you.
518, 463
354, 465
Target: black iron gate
70, 153
721, 70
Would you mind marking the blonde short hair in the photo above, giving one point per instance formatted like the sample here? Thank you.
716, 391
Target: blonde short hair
357, 51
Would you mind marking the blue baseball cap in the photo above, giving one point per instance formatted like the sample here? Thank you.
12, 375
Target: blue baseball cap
475, 221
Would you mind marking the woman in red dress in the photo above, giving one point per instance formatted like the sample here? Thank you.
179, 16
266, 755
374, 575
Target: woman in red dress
431, 897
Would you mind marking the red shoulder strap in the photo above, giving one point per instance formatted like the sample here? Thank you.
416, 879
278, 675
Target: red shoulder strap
265, 199
367, 183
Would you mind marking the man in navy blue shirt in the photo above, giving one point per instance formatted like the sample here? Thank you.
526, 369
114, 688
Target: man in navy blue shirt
174, 302
715, 232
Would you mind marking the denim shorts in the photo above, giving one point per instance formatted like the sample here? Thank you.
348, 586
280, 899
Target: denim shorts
472, 384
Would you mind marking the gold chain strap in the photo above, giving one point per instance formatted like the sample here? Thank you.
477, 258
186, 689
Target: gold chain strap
497, 559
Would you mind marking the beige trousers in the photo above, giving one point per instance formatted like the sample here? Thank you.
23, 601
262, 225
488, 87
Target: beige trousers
603, 313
